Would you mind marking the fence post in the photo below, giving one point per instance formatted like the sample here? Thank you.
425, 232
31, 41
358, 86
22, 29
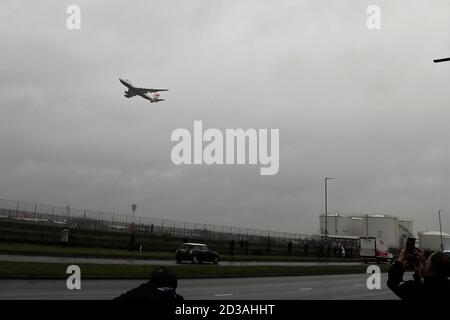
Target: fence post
35, 208
17, 209
68, 215
84, 219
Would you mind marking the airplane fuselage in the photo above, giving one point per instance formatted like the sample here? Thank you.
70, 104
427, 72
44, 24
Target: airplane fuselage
142, 92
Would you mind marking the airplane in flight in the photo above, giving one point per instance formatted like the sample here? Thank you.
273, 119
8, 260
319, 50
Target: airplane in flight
149, 94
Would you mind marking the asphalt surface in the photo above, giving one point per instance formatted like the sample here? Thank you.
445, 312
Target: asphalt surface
324, 287
74, 260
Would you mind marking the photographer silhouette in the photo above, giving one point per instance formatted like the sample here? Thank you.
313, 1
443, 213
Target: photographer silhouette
430, 279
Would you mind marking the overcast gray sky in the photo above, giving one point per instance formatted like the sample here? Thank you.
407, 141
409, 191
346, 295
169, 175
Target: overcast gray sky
367, 107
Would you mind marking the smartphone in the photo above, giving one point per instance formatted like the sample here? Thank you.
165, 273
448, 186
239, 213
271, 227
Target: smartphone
410, 245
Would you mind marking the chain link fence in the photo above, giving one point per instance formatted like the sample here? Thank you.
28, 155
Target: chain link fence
105, 221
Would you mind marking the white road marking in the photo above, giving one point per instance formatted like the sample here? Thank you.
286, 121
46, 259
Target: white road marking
223, 294
304, 289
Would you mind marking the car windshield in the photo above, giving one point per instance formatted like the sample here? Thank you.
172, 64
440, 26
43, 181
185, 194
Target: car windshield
195, 247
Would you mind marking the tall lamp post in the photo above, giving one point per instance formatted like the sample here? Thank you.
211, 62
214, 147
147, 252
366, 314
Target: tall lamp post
440, 229
326, 211
439, 211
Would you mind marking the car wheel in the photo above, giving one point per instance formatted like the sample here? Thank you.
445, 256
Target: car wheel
216, 260
195, 259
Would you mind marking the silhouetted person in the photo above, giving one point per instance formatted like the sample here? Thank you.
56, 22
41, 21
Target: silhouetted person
65, 237
305, 249
246, 246
161, 287
232, 247
328, 250
430, 277
241, 243
268, 247
151, 228
132, 243
289, 247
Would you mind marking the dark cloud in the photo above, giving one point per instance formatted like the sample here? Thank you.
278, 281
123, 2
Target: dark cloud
366, 107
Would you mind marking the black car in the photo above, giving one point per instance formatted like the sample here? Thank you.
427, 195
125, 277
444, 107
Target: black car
196, 253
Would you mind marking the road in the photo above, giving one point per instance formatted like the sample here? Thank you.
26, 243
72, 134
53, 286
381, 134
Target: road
75, 260
344, 287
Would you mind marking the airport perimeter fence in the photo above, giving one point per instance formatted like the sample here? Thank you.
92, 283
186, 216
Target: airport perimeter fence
35, 213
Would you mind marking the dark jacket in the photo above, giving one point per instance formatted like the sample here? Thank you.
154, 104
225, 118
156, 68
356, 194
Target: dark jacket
147, 292
430, 288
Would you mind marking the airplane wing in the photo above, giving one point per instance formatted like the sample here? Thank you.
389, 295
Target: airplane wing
130, 93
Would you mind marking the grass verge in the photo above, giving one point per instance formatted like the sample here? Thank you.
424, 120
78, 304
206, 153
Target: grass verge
52, 250
99, 271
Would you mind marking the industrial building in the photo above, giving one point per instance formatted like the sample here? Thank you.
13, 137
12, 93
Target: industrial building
391, 229
432, 240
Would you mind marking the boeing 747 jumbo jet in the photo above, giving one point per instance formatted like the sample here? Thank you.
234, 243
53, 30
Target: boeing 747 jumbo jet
149, 94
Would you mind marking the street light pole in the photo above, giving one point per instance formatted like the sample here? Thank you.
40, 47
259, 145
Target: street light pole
326, 215
440, 229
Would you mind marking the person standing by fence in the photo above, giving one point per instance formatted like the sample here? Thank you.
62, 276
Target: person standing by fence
246, 246
289, 248
132, 243
65, 237
232, 247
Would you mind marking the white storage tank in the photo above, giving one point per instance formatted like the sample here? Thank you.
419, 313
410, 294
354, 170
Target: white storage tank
406, 228
431, 240
338, 224
382, 227
388, 228
358, 226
